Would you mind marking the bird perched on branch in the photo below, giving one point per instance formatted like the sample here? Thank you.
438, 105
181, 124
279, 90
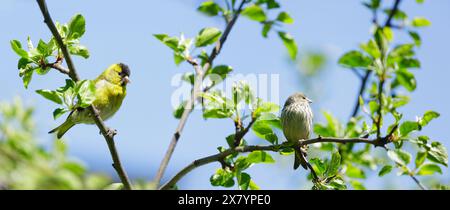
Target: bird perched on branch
110, 90
296, 119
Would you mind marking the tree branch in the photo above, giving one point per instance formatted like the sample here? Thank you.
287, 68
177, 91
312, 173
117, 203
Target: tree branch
392, 14
107, 133
274, 148
240, 133
418, 182
196, 90
366, 77
362, 88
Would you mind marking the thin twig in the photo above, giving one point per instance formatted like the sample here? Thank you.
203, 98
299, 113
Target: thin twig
418, 182
107, 133
194, 93
59, 67
362, 88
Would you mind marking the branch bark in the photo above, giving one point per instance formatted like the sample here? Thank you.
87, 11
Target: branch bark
194, 94
274, 148
107, 133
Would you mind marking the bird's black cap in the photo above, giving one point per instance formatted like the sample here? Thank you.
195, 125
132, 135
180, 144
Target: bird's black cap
125, 69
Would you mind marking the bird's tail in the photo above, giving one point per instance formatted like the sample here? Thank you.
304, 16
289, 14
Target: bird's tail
300, 159
62, 129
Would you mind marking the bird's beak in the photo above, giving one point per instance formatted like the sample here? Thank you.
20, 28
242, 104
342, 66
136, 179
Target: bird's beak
126, 80
309, 100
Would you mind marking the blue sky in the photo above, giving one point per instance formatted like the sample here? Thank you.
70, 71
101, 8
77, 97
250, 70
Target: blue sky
121, 31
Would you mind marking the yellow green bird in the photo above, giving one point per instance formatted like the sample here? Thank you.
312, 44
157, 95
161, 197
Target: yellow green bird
110, 90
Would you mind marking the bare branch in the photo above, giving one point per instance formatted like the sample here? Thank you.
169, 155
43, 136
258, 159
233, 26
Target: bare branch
107, 133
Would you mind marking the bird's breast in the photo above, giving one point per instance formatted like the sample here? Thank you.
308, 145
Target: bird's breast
296, 121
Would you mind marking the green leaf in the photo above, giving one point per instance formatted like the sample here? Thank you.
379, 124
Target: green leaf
260, 157
266, 28
178, 58
420, 22
427, 117
23, 62
357, 185
408, 127
406, 79
58, 112
399, 156
244, 181
420, 158
385, 170
261, 129
42, 71
85, 91
409, 63
179, 110
429, 169
254, 12
354, 59
253, 185
285, 18
43, 48
371, 48
114, 186
207, 36
79, 50
50, 95
334, 165
388, 34
76, 27
209, 8
216, 113
438, 153
373, 106
270, 119
271, 4
26, 77
374, 4
271, 137
17, 47
399, 15
171, 42
416, 37
289, 43
404, 50
286, 151
318, 165
241, 163
222, 178
355, 172
266, 107
221, 70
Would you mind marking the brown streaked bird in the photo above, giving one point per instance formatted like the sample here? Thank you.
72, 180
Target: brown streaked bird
296, 119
